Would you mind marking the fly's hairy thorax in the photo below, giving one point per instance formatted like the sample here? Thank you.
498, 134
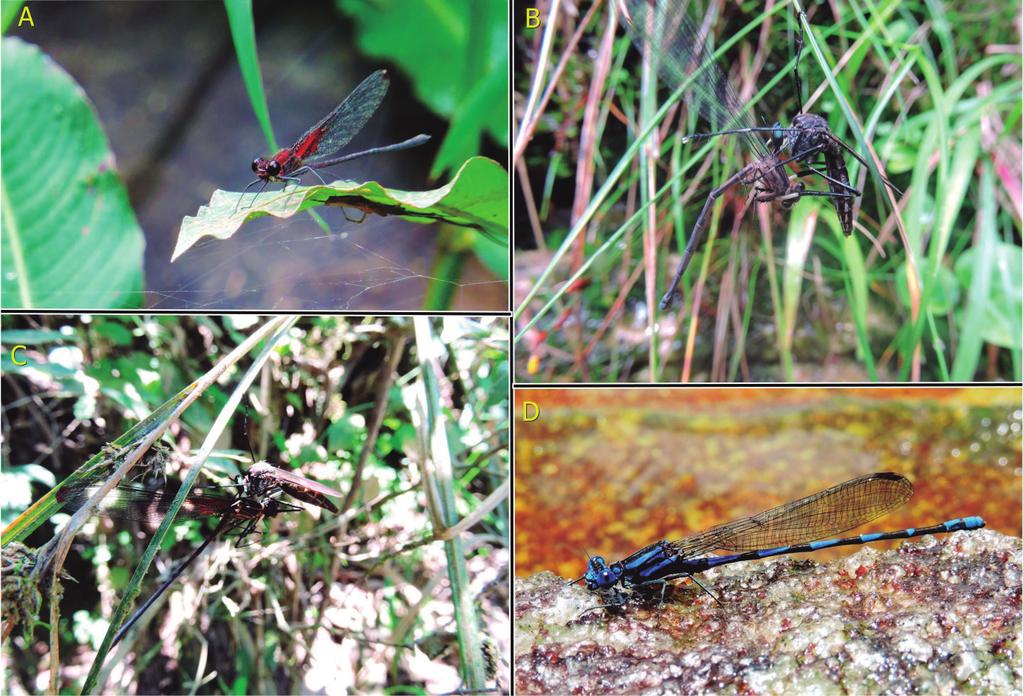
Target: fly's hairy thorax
810, 133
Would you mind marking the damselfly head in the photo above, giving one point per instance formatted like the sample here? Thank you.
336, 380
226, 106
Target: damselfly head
778, 136
266, 168
600, 575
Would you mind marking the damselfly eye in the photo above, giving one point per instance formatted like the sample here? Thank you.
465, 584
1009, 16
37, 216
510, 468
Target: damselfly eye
273, 168
255, 165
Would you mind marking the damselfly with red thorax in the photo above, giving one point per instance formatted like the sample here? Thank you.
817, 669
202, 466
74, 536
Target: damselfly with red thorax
315, 149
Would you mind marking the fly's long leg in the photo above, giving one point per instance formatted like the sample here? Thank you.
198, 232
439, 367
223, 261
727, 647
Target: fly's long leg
699, 228
837, 167
249, 529
827, 194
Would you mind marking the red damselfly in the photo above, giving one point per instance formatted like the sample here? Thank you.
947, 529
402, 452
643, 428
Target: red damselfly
239, 514
315, 148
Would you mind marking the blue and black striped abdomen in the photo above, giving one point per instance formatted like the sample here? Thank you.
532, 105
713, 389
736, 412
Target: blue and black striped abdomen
959, 524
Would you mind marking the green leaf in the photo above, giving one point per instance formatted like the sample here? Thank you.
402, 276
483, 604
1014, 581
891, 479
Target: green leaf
70, 238
469, 121
8, 11
493, 256
476, 197
451, 50
114, 331
943, 298
35, 337
1001, 325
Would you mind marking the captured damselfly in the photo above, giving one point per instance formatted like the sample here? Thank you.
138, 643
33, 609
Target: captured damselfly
807, 146
239, 514
800, 526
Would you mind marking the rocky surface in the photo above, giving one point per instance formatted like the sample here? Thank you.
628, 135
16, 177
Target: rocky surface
939, 615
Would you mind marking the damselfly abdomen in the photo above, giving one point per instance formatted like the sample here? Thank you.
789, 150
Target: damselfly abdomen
800, 526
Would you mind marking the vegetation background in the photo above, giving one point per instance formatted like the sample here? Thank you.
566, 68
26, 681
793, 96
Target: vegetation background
360, 601
930, 290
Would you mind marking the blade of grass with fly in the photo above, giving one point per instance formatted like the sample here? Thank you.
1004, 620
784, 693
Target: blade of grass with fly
860, 309
281, 326
52, 555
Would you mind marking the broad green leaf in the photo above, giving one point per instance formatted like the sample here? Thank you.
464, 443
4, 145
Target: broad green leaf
477, 197
453, 51
70, 238
8, 12
943, 298
493, 256
1002, 322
